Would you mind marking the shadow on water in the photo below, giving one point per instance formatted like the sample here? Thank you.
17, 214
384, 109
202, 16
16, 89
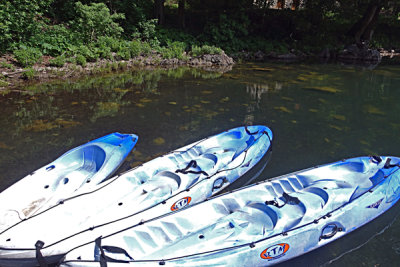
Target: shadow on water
318, 113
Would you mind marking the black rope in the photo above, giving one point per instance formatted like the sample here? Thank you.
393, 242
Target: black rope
287, 200
388, 165
191, 164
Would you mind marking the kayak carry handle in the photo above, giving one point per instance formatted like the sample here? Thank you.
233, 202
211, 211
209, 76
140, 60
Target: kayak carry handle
116, 250
39, 256
329, 231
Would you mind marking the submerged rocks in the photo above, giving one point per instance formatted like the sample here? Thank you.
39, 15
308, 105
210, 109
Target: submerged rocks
359, 53
209, 60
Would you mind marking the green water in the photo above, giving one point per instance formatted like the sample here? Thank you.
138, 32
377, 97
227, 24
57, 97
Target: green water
318, 113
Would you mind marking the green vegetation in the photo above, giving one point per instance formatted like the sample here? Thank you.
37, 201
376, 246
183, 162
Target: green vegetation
205, 49
88, 30
58, 61
27, 56
29, 74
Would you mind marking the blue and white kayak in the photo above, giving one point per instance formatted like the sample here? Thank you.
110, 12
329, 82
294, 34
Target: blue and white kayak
73, 173
163, 185
259, 225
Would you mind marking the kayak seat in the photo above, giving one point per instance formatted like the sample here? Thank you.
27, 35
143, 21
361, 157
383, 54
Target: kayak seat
253, 219
319, 192
162, 184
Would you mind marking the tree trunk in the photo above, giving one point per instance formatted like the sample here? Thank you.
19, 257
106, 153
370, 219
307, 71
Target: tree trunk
159, 11
181, 13
363, 29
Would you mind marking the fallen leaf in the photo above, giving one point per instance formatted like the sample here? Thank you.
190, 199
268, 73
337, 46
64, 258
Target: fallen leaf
145, 100
323, 89
339, 117
159, 141
4, 146
374, 110
335, 127
283, 109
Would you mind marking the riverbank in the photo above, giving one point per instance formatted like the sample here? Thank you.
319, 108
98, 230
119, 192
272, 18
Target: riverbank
12, 75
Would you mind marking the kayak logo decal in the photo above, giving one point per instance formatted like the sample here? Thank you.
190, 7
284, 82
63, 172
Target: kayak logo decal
181, 203
275, 251
375, 205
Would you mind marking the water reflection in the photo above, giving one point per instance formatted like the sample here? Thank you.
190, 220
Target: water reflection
319, 114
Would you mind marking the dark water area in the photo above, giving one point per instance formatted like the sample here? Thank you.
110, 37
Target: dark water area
318, 113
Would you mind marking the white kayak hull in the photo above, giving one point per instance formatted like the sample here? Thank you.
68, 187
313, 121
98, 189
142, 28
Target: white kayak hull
166, 184
259, 225
73, 173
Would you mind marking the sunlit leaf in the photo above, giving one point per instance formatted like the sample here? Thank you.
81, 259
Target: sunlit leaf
313, 110
74, 103
140, 105
206, 92
327, 140
205, 102
172, 103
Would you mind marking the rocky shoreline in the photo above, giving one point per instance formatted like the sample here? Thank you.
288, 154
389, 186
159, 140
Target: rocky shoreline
11, 76
14, 76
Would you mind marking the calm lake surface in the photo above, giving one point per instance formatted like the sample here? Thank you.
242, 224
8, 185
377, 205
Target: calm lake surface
318, 113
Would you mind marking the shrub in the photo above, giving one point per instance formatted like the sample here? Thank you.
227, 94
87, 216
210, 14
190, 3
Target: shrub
135, 48
58, 61
80, 60
124, 53
174, 50
53, 40
95, 20
88, 52
27, 56
205, 49
29, 74
147, 32
19, 20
